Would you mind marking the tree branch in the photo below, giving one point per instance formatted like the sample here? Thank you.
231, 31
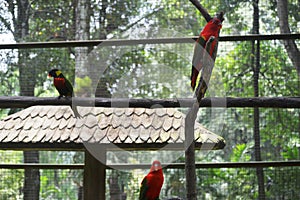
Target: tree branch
202, 10
290, 45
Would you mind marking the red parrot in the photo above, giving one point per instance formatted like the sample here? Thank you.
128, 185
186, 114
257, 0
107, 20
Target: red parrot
152, 183
212, 28
63, 86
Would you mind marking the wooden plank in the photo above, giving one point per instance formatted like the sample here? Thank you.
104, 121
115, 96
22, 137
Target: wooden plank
124, 42
111, 147
218, 102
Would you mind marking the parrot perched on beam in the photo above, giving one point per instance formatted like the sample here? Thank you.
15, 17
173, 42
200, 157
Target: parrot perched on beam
152, 183
63, 86
212, 28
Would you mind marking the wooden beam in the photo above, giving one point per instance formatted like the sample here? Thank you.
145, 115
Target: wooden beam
124, 42
94, 177
71, 146
251, 164
41, 166
218, 102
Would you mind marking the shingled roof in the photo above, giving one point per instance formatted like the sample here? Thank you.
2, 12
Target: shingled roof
56, 127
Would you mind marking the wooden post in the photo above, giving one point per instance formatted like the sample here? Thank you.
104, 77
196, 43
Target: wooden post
190, 169
94, 177
208, 64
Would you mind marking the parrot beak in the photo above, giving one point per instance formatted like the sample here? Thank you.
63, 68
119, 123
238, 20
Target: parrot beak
156, 166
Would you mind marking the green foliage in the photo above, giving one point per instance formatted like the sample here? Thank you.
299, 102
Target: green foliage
241, 153
83, 86
11, 180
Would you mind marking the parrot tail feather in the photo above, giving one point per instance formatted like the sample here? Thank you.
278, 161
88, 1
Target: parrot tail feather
194, 76
75, 111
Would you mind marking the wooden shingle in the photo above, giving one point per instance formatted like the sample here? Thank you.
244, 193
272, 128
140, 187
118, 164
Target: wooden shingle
129, 127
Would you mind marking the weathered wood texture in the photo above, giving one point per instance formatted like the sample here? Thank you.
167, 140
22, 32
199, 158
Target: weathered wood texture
94, 177
267, 102
122, 42
55, 127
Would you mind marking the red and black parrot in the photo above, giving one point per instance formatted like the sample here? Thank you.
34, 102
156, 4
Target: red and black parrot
212, 28
152, 183
63, 86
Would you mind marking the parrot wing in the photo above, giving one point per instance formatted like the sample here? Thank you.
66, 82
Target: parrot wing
143, 189
214, 49
197, 60
69, 87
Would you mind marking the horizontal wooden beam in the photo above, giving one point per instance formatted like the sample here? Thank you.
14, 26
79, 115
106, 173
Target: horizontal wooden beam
125, 42
71, 146
252, 164
41, 166
267, 102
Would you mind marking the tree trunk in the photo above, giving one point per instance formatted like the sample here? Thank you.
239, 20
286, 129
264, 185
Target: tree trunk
116, 192
256, 69
20, 11
82, 14
27, 83
102, 86
290, 45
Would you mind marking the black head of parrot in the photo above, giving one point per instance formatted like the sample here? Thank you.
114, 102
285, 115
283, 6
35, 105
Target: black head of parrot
54, 73
220, 16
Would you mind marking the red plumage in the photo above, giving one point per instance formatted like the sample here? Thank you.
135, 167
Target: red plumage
152, 183
63, 86
212, 28
59, 82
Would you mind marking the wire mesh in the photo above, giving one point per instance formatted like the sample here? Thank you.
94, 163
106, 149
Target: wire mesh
52, 184
223, 183
46, 157
158, 72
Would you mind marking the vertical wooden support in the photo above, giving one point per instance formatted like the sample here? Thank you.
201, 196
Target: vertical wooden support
190, 169
94, 177
256, 118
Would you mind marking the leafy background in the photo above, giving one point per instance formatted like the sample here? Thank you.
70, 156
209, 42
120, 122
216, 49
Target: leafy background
24, 72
